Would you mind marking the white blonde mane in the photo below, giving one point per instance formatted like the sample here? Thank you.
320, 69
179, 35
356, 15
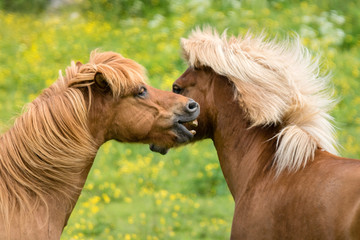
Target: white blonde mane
276, 84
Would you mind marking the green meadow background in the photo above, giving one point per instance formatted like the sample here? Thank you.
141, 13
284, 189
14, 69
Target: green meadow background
132, 193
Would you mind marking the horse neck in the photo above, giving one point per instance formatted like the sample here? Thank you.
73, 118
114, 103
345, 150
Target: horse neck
245, 153
46, 157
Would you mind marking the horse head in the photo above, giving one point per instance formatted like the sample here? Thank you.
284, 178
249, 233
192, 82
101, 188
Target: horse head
122, 106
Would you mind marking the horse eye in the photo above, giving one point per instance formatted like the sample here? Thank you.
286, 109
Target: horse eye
176, 89
142, 92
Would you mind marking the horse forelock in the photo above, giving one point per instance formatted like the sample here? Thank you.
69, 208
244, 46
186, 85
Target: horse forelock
122, 74
277, 83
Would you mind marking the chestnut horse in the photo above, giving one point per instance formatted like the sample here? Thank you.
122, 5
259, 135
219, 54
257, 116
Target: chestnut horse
46, 156
265, 106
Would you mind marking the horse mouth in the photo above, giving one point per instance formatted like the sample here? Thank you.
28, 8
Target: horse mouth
192, 124
183, 134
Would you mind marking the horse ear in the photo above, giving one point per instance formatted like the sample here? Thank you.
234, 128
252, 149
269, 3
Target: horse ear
100, 80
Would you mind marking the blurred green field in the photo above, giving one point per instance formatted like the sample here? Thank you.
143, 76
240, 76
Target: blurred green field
132, 193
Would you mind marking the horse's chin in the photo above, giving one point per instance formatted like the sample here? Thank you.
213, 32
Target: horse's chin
159, 149
184, 135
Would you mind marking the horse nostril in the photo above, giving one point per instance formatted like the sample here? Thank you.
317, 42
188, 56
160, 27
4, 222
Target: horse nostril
191, 106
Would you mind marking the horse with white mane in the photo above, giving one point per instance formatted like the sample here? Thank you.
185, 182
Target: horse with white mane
46, 156
265, 106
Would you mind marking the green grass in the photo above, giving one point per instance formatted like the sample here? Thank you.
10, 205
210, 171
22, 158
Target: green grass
132, 193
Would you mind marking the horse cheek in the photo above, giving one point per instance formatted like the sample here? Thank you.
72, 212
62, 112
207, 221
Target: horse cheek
134, 127
142, 126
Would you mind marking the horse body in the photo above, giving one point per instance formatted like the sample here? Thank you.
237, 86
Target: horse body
46, 156
297, 192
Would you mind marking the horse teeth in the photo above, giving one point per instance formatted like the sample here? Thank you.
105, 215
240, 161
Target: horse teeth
194, 123
193, 132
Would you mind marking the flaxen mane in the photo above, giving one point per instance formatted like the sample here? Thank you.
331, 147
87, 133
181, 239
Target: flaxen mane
276, 84
50, 143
